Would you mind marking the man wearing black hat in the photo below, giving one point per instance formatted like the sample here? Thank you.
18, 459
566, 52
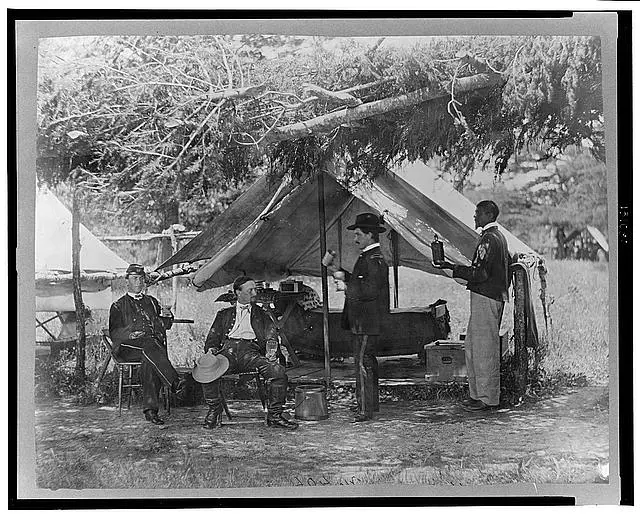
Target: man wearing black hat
366, 307
240, 334
138, 331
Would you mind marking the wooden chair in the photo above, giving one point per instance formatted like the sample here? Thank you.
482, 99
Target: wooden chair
126, 376
249, 375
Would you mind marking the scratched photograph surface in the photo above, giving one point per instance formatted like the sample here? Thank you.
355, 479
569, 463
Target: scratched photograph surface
404, 230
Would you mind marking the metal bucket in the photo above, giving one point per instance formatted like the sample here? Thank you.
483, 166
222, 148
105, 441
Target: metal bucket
311, 402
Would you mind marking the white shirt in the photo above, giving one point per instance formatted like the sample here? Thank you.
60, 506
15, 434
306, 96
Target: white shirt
480, 230
489, 225
242, 328
135, 296
366, 249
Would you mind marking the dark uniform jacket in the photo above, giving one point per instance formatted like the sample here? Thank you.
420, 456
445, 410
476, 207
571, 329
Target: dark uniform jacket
367, 294
489, 273
128, 315
261, 323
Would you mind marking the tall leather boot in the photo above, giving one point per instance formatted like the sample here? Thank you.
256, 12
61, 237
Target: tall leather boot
276, 397
211, 393
213, 419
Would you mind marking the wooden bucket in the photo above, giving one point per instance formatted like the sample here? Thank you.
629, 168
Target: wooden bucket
311, 402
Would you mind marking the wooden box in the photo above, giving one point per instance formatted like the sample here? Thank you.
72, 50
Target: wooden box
445, 361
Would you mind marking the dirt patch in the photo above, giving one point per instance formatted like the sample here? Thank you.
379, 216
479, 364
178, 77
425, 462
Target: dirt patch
564, 439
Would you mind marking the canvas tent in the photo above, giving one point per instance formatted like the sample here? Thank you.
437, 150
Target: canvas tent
586, 243
599, 237
53, 267
272, 232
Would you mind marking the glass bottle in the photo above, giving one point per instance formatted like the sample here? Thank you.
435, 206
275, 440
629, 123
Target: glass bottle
437, 249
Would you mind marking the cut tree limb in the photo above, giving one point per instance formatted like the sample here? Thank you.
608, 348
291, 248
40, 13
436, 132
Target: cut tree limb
360, 87
339, 97
328, 122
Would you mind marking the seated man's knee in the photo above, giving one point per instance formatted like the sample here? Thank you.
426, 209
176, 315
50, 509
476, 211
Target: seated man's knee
211, 389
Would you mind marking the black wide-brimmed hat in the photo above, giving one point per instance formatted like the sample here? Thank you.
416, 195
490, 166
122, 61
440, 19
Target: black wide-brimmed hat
369, 222
135, 269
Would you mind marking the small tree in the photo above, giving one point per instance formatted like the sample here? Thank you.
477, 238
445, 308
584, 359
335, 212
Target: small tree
77, 281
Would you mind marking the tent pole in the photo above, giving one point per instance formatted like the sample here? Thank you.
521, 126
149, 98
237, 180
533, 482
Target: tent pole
339, 229
396, 259
325, 285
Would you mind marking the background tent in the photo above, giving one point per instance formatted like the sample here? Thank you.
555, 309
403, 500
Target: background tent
54, 286
586, 243
282, 238
598, 237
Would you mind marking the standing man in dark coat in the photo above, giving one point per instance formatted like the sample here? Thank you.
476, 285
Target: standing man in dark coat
366, 307
138, 330
488, 282
240, 334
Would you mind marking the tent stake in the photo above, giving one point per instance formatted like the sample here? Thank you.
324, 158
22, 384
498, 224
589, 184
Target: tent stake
325, 285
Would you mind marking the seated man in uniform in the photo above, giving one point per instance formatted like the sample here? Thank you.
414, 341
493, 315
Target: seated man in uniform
138, 331
240, 333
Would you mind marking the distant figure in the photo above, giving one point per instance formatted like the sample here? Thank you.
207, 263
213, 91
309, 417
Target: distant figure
488, 282
137, 326
366, 307
238, 338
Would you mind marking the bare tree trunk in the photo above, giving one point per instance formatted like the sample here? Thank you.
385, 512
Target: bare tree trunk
174, 280
171, 216
77, 290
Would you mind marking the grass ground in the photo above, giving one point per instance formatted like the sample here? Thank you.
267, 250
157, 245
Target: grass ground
560, 440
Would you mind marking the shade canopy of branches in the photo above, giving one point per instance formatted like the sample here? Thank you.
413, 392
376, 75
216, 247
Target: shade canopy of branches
170, 129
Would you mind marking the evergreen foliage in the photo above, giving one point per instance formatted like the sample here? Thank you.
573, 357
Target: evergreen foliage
171, 129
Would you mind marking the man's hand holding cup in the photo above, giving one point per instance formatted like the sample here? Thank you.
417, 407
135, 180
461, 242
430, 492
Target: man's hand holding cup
329, 261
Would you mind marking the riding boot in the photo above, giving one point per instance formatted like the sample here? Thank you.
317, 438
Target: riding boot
213, 419
212, 398
276, 398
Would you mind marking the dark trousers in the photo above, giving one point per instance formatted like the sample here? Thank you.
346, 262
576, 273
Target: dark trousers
245, 356
155, 370
366, 366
